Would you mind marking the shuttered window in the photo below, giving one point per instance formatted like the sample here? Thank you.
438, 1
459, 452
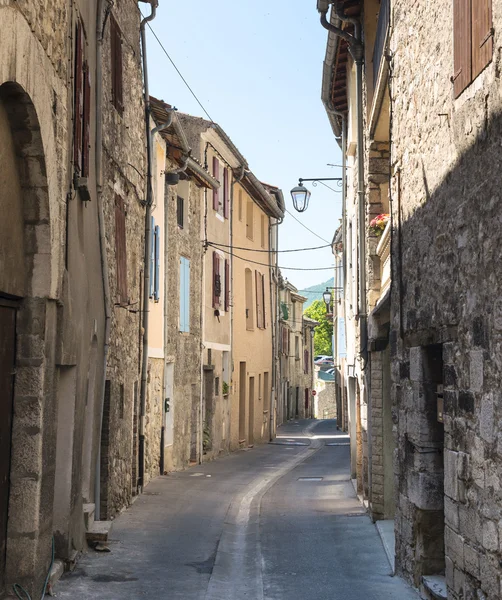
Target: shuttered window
259, 295
473, 40
184, 294
227, 285
79, 97
86, 124
216, 191
156, 289
263, 299
116, 65
120, 250
226, 194
306, 361
216, 280
180, 210
152, 257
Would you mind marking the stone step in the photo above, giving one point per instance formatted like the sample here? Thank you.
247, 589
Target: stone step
433, 587
99, 531
89, 510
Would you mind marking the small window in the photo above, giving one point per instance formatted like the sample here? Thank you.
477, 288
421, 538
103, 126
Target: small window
180, 211
122, 401
297, 347
217, 287
116, 64
216, 386
249, 300
249, 220
184, 295
121, 250
82, 105
155, 261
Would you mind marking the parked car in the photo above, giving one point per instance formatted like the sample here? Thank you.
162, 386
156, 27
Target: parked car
321, 357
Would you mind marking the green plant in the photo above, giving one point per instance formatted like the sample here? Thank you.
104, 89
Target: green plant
323, 333
225, 388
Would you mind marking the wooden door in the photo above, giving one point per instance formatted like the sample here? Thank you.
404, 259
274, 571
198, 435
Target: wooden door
7, 358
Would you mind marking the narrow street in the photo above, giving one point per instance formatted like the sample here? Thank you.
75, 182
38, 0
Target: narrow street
280, 521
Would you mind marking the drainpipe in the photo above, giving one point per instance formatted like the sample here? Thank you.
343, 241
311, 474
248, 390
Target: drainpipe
148, 238
100, 27
357, 52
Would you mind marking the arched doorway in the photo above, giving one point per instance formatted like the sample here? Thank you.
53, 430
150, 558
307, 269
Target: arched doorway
28, 332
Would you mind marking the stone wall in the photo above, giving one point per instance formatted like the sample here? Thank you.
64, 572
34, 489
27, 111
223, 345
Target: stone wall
325, 399
124, 161
446, 303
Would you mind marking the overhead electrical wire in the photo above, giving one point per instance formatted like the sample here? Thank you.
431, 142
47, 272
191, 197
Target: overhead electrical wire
179, 73
267, 251
303, 225
254, 262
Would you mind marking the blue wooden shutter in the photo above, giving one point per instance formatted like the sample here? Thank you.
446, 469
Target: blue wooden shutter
152, 257
157, 263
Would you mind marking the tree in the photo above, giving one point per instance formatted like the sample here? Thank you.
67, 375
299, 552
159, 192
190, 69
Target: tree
323, 333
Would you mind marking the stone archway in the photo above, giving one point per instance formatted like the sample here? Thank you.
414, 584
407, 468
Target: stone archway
26, 263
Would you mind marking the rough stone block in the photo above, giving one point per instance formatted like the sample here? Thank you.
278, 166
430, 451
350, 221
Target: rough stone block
489, 574
425, 490
490, 536
450, 474
471, 560
454, 547
476, 366
416, 363
486, 418
451, 516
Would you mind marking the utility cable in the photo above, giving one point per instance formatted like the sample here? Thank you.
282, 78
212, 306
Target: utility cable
303, 225
273, 251
179, 73
273, 266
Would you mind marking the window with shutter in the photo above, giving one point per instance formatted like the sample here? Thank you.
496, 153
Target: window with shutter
473, 41
306, 361
227, 285
226, 195
152, 257
259, 311
216, 191
79, 97
120, 250
216, 280
156, 293
86, 121
180, 211
184, 294
263, 300
116, 65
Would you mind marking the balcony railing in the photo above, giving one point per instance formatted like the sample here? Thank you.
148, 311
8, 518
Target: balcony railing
381, 37
383, 252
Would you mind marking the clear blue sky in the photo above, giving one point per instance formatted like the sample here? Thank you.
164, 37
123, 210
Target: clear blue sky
256, 66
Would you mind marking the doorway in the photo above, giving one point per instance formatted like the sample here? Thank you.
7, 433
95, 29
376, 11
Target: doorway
297, 403
208, 409
242, 402
251, 412
7, 360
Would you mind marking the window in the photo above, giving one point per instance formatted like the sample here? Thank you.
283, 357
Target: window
154, 261
249, 300
285, 341
297, 347
259, 387
216, 191
184, 294
180, 207
260, 300
249, 220
262, 231
473, 41
116, 59
226, 193
306, 361
227, 285
216, 386
122, 401
240, 205
216, 280
120, 250
82, 106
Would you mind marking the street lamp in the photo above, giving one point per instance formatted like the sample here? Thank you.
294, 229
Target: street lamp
327, 299
301, 195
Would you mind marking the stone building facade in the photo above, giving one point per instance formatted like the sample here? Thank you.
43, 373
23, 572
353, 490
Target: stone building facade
431, 115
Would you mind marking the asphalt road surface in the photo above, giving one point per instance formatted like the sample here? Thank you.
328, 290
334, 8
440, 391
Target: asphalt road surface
278, 522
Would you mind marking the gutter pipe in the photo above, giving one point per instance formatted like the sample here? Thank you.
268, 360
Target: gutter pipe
100, 26
148, 238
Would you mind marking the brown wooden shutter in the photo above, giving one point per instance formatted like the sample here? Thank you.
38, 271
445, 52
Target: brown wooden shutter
216, 191
116, 59
86, 121
227, 285
226, 198
121, 250
216, 280
258, 299
482, 35
263, 300
79, 101
462, 75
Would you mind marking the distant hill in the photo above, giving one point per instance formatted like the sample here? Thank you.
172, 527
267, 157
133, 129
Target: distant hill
314, 292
